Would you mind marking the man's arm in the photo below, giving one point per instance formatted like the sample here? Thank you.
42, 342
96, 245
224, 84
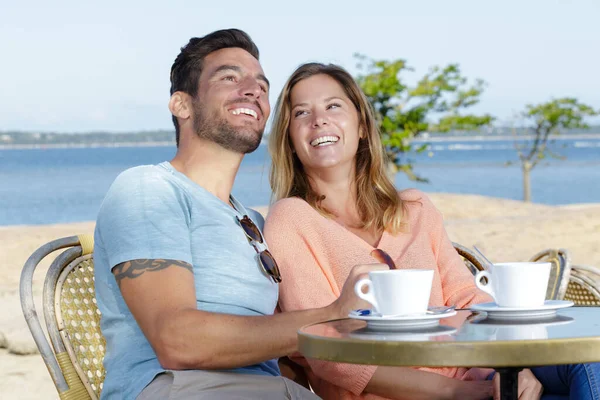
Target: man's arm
161, 296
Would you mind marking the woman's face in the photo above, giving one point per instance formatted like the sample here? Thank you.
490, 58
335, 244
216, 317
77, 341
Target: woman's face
324, 127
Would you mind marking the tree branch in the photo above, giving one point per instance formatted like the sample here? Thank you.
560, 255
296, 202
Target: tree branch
534, 147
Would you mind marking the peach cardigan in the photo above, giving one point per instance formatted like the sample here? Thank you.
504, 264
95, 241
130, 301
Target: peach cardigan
315, 255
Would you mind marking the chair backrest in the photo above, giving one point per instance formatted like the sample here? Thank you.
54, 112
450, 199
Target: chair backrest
78, 321
560, 271
584, 286
472, 261
72, 317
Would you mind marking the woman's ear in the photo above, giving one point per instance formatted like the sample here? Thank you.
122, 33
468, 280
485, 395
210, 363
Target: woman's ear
361, 133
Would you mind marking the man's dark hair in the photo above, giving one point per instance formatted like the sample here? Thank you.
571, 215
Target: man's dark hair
187, 67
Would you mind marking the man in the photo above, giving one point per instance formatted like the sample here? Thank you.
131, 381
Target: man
184, 280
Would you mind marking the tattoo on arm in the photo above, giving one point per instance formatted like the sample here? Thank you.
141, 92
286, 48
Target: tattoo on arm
134, 268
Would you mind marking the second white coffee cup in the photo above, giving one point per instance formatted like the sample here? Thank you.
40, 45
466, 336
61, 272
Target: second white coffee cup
398, 291
518, 284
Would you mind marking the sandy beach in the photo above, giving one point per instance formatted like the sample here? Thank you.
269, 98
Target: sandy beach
505, 230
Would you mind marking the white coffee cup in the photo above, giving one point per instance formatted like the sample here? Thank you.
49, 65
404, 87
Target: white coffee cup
398, 291
517, 284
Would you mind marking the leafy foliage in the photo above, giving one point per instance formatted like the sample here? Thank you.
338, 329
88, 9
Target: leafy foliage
551, 118
546, 119
404, 112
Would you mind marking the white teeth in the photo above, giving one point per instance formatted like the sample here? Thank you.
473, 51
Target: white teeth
324, 140
246, 111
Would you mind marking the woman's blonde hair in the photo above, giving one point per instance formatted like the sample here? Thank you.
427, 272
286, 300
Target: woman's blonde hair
378, 203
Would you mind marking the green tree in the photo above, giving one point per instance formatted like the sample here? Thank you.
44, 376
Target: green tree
404, 112
543, 121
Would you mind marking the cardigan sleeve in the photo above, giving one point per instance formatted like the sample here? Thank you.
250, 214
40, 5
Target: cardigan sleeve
457, 281
308, 283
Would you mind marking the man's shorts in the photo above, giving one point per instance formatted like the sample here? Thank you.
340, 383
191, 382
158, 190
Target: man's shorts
212, 385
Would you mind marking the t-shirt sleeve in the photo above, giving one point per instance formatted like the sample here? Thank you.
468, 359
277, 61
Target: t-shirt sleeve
144, 216
307, 284
457, 281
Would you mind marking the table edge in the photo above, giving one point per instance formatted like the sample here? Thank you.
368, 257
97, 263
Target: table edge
452, 354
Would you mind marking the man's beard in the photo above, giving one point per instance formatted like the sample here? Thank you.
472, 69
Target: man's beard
241, 140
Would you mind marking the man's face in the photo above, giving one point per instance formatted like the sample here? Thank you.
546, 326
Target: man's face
232, 104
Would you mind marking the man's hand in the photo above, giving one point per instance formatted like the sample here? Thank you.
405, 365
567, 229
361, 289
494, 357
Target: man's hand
348, 300
529, 387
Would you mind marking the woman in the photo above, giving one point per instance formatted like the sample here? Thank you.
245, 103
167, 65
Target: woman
335, 205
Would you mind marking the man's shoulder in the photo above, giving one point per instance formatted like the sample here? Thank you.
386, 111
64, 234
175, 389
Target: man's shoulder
146, 189
142, 174
143, 182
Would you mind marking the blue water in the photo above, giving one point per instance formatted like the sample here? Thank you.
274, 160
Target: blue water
43, 186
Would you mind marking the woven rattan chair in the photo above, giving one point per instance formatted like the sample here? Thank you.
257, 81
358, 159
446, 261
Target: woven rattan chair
559, 272
72, 318
584, 286
472, 261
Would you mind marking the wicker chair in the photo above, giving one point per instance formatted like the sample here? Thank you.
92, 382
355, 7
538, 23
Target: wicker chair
559, 273
584, 286
72, 317
472, 261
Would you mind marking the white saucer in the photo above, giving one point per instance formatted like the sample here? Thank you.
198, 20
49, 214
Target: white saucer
494, 311
505, 323
414, 335
405, 322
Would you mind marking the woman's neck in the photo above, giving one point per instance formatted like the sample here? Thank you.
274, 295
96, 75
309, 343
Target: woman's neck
341, 200
340, 196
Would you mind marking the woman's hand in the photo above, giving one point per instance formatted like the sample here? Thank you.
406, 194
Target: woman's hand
529, 387
472, 390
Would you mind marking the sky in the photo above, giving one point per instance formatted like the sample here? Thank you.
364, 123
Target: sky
77, 66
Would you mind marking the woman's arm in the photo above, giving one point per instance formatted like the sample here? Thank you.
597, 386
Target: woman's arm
410, 383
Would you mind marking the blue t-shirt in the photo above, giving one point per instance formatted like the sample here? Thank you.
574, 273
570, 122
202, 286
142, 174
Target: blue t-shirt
155, 212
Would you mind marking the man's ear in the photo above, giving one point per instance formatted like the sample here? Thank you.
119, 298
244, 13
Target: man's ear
180, 105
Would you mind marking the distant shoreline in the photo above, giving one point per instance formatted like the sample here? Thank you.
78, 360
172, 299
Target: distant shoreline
483, 138
477, 138
82, 145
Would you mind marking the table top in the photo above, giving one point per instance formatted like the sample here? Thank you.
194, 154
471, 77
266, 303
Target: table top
467, 339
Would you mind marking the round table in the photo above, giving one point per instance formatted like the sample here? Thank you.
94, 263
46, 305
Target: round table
468, 339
